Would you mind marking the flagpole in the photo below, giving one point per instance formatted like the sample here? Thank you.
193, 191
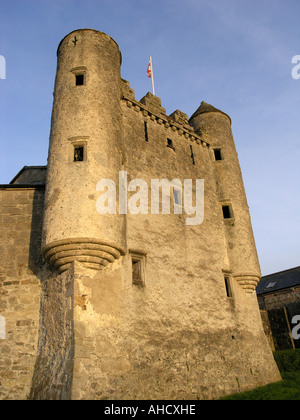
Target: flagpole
152, 76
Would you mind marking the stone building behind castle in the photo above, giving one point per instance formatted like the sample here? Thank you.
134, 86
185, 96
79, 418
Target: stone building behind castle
124, 305
278, 297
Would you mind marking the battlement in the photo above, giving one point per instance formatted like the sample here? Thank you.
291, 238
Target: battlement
150, 106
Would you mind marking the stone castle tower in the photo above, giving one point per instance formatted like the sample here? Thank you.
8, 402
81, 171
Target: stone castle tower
125, 305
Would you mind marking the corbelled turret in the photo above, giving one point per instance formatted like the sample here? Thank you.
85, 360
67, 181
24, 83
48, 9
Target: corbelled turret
85, 146
215, 127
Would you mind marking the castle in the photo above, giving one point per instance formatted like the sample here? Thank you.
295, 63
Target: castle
127, 304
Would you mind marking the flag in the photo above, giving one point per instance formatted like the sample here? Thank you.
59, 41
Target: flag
149, 69
150, 73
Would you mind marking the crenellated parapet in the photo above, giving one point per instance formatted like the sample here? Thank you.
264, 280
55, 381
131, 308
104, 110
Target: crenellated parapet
150, 106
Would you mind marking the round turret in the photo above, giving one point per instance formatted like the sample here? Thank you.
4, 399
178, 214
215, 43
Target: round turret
85, 147
215, 127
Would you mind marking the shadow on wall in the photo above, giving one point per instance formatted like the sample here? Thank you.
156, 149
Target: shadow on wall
35, 261
53, 371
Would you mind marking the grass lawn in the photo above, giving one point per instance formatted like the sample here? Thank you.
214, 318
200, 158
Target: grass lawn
288, 389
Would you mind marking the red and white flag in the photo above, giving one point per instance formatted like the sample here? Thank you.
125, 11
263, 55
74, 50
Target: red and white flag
149, 69
150, 73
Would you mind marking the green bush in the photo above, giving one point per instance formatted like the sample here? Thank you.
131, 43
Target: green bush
288, 360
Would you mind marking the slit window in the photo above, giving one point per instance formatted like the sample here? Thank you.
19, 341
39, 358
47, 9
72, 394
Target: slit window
146, 131
227, 213
78, 153
228, 287
192, 154
79, 78
218, 154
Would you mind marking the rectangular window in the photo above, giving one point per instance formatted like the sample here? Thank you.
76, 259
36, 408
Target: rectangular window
177, 197
218, 154
228, 286
227, 213
79, 79
138, 269
78, 153
170, 144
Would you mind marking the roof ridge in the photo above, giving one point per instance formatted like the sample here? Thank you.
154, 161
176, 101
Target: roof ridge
282, 271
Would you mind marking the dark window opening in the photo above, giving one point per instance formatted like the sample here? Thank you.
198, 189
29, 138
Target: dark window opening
79, 79
170, 144
78, 153
146, 131
177, 197
228, 287
226, 212
137, 272
192, 154
218, 154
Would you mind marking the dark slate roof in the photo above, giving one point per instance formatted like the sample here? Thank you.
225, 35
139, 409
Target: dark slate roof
282, 280
30, 175
205, 107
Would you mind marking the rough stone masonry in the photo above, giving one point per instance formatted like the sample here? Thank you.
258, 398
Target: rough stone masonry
127, 306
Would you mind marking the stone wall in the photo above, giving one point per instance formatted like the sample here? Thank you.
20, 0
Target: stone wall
53, 373
179, 335
280, 308
267, 328
279, 299
21, 211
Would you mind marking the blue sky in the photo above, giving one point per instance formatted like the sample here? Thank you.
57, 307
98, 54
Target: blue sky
234, 54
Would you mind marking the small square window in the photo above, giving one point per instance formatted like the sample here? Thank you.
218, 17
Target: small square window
79, 79
170, 144
78, 153
218, 154
227, 214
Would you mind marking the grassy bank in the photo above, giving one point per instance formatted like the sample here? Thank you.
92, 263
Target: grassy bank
288, 389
